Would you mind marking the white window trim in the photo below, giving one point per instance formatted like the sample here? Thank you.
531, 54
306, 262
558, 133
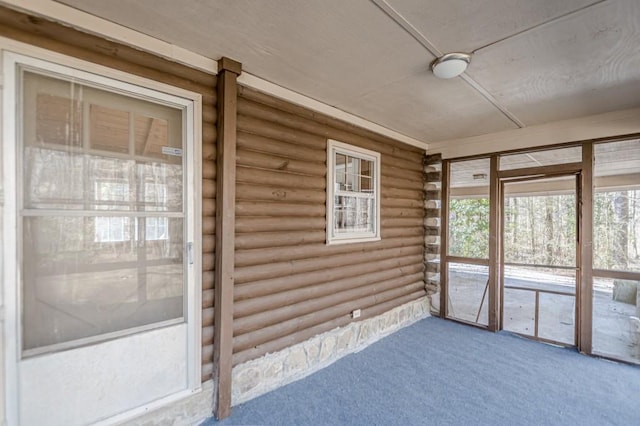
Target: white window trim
12, 53
336, 146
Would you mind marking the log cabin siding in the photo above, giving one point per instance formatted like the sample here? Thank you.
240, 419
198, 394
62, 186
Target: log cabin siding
62, 39
290, 285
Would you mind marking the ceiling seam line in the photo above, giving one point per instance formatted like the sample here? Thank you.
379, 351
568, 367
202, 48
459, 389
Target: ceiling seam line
542, 24
492, 100
406, 25
424, 41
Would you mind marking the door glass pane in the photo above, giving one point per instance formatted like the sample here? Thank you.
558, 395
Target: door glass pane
102, 218
109, 129
469, 209
152, 135
541, 158
86, 276
468, 293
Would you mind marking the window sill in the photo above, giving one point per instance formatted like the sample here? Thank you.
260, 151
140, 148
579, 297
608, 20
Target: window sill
336, 241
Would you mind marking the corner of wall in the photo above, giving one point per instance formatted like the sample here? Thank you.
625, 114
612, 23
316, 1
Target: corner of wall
432, 228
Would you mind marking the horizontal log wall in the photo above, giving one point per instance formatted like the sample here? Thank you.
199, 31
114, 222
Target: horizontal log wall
49, 35
289, 285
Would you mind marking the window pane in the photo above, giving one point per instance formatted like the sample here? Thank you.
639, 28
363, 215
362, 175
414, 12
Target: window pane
160, 187
366, 184
109, 129
616, 206
366, 177
353, 215
340, 172
53, 179
541, 158
351, 212
58, 109
469, 209
353, 165
87, 149
87, 276
152, 139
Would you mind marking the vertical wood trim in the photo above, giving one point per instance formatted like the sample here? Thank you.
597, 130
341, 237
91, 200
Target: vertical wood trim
225, 235
444, 241
495, 237
585, 252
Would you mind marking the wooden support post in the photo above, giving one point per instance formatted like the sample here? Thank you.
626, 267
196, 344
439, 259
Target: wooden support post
585, 251
228, 71
444, 241
495, 238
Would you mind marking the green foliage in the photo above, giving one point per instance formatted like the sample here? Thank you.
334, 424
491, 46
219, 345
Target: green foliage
542, 229
469, 227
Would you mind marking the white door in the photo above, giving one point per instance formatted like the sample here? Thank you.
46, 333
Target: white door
99, 216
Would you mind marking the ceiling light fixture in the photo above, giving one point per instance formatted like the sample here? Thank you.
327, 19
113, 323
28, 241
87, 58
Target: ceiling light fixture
450, 65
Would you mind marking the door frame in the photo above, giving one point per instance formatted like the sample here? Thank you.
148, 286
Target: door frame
531, 175
11, 52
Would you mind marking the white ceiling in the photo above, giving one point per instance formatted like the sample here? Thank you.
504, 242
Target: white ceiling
534, 61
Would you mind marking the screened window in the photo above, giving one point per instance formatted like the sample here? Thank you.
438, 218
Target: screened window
616, 206
353, 193
469, 209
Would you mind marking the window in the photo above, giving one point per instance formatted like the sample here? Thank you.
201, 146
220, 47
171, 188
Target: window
103, 211
353, 194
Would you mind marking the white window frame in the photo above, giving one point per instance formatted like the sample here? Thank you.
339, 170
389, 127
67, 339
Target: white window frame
334, 147
13, 53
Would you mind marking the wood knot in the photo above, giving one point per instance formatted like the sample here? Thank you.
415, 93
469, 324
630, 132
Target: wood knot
34, 20
283, 165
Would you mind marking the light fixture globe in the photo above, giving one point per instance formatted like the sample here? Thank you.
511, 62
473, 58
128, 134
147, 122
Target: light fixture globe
450, 65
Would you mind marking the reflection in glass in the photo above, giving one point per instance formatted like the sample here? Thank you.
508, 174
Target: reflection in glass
151, 134
353, 214
86, 276
102, 214
354, 198
59, 109
109, 129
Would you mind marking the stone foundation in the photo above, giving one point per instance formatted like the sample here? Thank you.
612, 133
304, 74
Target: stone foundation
271, 371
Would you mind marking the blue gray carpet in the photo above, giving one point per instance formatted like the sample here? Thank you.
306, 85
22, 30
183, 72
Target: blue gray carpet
443, 373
